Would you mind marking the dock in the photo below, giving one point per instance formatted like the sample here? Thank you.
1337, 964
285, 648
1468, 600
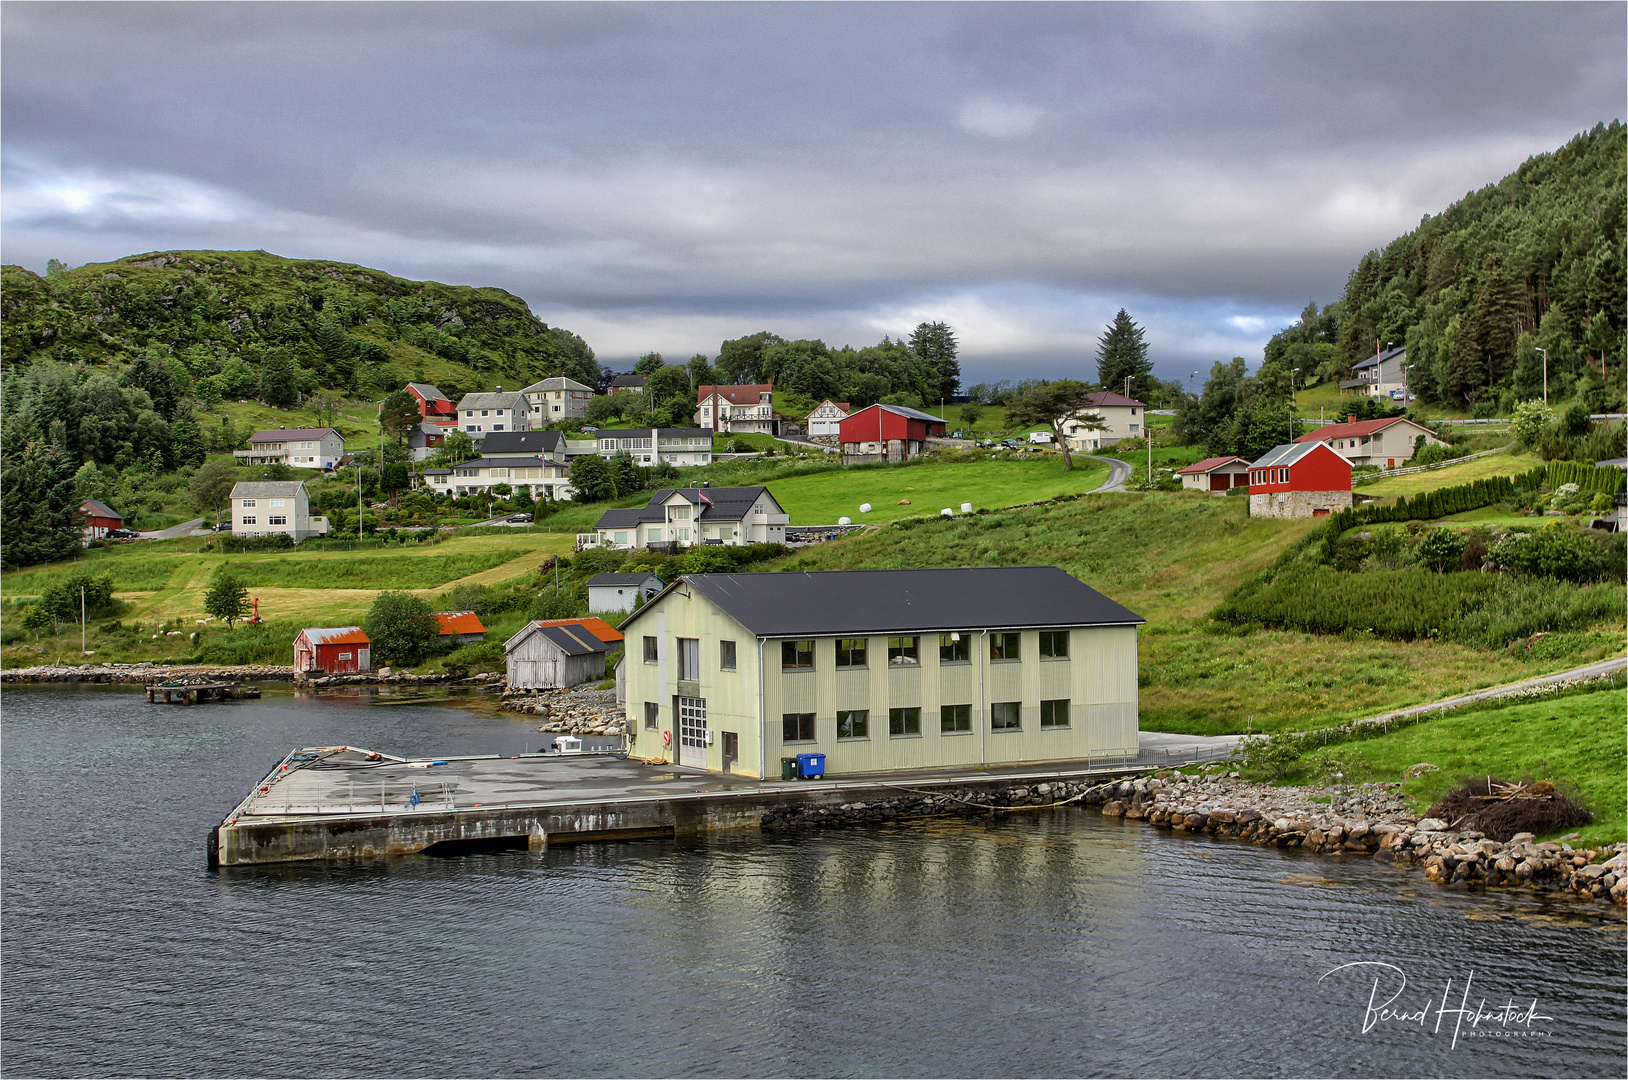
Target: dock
198, 692
343, 803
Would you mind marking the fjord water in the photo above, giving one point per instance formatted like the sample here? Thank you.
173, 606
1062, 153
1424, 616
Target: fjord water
1053, 943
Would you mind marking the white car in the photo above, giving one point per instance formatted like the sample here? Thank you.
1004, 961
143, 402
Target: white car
1040, 436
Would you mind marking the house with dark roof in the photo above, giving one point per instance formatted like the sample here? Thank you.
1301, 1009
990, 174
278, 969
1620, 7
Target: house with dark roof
880, 670
1296, 480
556, 399
681, 447
621, 384
1386, 443
894, 431
548, 656
681, 517
736, 409
481, 414
298, 448
267, 507
621, 592
1383, 374
1120, 417
99, 519
1215, 474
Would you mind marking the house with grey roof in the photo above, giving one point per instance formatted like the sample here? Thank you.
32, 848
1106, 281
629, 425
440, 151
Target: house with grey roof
481, 414
1383, 374
621, 592
556, 399
621, 384
682, 447
681, 517
298, 448
880, 670
268, 507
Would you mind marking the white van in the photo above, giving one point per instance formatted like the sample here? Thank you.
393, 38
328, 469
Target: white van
1040, 436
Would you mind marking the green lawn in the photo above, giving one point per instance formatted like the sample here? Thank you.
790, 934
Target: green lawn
822, 498
134, 572
1578, 740
1479, 469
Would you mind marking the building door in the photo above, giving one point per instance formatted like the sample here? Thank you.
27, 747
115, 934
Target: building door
692, 732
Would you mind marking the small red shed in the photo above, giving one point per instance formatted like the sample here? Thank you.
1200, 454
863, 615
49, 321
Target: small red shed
332, 649
1214, 474
459, 627
894, 430
1297, 480
99, 518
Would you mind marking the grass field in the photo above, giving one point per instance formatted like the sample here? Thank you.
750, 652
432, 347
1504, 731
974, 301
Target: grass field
1171, 557
1578, 739
1479, 469
822, 498
129, 573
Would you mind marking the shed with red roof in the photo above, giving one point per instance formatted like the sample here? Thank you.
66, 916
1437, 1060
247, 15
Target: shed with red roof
333, 649
894, 430
1217, 474
459, 627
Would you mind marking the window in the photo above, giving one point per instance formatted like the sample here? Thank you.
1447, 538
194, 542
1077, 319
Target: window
902, 722
851, 652
652, 715
469, 412
954, 718
483, 412
797, 655
1054, 714
1004, 646
853, 724
954, 648
277, 519
650, 650
689, 659
1006, 716
726, 656
653, 535
345, 656
1054, 644
277, 504
797, 727
903, 651
248, 519
246, 503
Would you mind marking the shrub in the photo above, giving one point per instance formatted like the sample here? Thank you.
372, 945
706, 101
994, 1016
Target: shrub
242, 545
401, 627
1442, 550
1560, 551
565, 604
1530, 420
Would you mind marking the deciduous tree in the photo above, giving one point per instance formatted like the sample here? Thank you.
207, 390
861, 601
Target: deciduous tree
401, 627
1053, 405
227, 598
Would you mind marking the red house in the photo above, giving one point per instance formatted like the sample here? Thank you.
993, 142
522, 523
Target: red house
433, 405
1298, 480
893, 430
332, 649
99, 518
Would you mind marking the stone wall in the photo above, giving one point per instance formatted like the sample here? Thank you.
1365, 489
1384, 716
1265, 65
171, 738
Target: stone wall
1296, 504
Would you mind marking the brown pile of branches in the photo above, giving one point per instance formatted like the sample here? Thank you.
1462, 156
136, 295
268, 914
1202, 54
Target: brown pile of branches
1500, 809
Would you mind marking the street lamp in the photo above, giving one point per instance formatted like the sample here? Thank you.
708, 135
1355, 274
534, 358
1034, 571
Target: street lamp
1293, 403
1545, 353
1190, 379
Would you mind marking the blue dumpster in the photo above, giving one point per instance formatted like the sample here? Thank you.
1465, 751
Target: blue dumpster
811, 766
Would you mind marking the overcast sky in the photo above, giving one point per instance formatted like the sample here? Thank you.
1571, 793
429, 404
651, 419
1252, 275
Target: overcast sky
664, 177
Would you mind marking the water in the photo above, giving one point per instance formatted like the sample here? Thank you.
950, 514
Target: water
1059, 944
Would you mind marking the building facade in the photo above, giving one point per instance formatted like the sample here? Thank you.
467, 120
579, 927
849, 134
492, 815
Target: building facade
621, 592
268, 507
825, 422
1121, 417
333, 649
1217, 474
537, 461
1386, 443
891, 431
557, 399
433, 406
880, 670
98, 519
683, 517
748, 407
1296, 480
1383, 374
680, 447
548, 657
481, 414
298, 448
621, 384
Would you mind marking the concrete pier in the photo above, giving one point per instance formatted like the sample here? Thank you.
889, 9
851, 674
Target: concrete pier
336, 803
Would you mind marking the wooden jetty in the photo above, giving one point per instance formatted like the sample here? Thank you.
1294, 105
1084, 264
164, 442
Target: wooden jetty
197, 692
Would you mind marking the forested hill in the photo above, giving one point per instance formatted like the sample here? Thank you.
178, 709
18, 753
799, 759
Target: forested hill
1533, 261
224, 314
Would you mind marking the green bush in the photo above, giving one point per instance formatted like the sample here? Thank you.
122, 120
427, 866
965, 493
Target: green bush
243, 545
1560, 551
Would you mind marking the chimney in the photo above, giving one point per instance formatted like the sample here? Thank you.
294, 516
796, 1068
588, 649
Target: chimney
1351, 418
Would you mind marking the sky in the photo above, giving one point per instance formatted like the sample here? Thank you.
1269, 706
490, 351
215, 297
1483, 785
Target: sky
664, 177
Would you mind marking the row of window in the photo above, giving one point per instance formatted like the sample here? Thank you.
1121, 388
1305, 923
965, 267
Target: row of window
906, 722
274, 519
1269, 476
275, 504
852, 653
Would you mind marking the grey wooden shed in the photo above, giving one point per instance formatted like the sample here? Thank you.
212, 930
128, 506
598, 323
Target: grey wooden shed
551, 657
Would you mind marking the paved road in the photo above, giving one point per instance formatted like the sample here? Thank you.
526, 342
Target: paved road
1116, 479
1587, 671
174, 531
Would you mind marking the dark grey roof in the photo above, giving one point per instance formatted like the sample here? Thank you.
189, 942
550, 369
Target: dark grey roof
905, 410
489, 462
521, 442
833, 602
267, 489
620, 579
580, 643
728, 504
1379, 358
628, 380
100, 509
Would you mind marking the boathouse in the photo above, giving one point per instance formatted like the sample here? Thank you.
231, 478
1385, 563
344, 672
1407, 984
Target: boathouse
880, 670
332, 649
459, 627
544, 656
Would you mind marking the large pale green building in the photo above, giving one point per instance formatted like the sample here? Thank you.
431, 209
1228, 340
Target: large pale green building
880, 670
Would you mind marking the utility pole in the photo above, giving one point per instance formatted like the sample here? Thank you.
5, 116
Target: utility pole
358, 502
81, 619
1545, 353
1293, 401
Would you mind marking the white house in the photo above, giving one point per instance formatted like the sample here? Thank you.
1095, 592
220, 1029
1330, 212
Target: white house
1217, 474
620, 592
424, 440
267, 507
480, 414
1122, 417
557, 399
827, 418
299, 448
735, 409
733, 516
1386, 443
651, 446
1383, 374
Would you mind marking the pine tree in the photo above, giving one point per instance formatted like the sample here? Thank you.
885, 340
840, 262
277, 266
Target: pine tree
1122, 354
935, 343
37, 503
279, 379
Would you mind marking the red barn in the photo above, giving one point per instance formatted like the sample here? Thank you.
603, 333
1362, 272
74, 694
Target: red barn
1299, 480
332, 649
434, 406
894, 430
99, 518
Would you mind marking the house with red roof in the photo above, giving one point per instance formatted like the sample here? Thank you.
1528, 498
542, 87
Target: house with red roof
1296, 480
333, 649
1121, 418
745, 407
99, 519
1215, 474
1386, 443
459, 627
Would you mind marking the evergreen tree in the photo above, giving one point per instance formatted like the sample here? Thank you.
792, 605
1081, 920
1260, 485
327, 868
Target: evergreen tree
935, 343
1122, 354
37, 503
279, 380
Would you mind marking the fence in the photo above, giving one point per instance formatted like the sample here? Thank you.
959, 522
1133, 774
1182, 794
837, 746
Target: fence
1383, 473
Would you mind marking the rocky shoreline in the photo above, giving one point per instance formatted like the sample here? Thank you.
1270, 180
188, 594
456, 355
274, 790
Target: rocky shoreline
1370, 821
146, 672
569, 712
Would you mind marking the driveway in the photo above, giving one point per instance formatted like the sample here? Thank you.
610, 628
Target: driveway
174, 532
1120, 472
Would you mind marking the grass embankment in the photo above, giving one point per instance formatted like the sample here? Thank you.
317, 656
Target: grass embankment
1578, 739
1172, 557
1480, 469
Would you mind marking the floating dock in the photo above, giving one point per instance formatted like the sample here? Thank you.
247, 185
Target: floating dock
197, 693
342, 802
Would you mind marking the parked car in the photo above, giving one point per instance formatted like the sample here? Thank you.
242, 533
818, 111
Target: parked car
1040, 436
958, 434
518, 519
1011, 444
225, 526
121, 534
